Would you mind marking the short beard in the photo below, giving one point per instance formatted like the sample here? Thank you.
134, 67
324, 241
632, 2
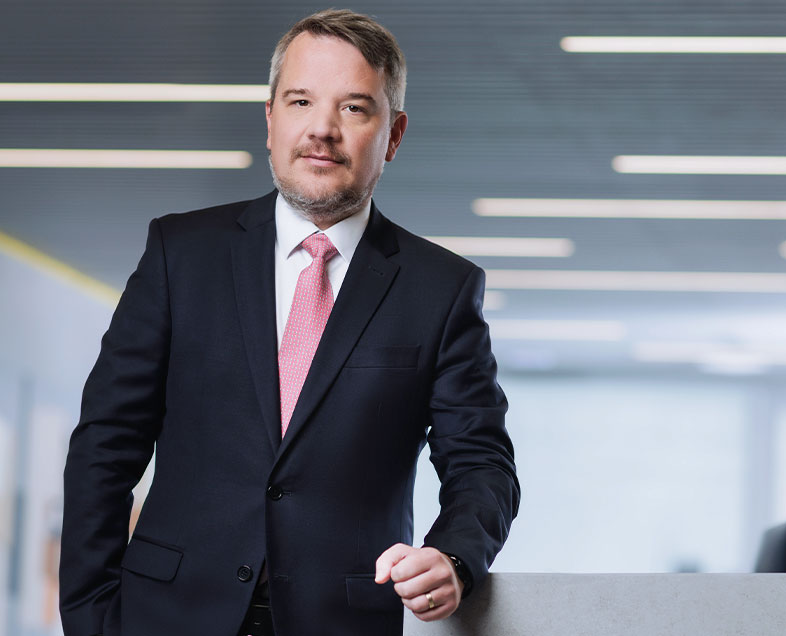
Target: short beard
326, 210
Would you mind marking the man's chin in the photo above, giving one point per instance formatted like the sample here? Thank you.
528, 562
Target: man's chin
321, 200
316, 186
323, 207
318, 194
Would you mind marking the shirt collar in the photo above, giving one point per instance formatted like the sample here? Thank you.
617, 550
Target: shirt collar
292, 229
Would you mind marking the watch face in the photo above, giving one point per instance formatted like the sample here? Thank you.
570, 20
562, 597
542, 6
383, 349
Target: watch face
461, 569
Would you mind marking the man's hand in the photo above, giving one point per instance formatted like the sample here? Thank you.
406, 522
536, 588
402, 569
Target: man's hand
423, 577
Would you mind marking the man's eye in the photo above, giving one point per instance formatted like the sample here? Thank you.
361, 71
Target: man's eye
353, 108
301, 102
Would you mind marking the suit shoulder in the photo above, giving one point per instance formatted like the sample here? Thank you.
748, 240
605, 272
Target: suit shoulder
429, 254
212, 226
204, 220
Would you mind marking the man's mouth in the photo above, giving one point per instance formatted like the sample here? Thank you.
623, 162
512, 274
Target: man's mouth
323, 159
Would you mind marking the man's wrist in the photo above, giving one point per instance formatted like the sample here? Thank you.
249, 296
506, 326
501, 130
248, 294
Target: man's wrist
463, 573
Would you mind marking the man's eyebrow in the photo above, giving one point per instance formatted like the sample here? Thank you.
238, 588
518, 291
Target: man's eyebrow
304, 91
364, 96
295, 91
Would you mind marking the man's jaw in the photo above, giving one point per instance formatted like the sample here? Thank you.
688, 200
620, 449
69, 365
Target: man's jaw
323, 208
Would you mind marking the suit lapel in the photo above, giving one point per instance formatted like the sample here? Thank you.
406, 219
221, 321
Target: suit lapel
368, 279
253, 266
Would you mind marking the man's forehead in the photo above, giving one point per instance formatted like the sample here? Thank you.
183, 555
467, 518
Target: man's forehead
314, 46
307, 41
312, 59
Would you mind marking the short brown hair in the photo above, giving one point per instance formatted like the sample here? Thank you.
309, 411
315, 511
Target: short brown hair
375, 43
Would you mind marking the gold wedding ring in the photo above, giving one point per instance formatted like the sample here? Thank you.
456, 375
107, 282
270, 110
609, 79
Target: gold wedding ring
430, 599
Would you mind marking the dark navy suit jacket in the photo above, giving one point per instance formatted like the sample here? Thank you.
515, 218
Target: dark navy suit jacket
189, 367
772, 552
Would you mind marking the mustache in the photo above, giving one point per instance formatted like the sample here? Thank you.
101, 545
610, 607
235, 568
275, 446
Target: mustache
322, 151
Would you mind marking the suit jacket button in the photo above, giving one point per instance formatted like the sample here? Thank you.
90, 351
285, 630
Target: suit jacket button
275, 492
245, 573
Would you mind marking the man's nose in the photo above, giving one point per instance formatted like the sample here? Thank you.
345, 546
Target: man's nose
325, 124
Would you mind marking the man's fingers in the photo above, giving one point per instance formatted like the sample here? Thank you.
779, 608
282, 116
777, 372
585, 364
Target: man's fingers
420, 560
442, 595
390, 558
438, 613
444, 600
420, 584
425, 579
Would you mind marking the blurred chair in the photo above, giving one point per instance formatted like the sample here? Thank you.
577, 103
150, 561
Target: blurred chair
772, 553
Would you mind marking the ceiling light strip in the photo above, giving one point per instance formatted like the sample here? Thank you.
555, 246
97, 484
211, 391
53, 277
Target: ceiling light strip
128, 92
494, 300
579, 330
73, 158
676, 164
706, 353
731, 282
506, 246
630, 209
41, 261
670, 44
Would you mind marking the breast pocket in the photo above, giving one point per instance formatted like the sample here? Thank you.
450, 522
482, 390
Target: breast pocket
392, 357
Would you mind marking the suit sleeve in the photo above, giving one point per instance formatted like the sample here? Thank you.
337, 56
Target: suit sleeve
470, 447
121, 416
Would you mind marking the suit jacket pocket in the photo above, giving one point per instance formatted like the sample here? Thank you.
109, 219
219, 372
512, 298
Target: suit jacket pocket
364, 594
396, 357
151, 559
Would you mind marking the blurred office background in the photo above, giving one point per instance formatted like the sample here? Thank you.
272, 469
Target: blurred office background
636, 286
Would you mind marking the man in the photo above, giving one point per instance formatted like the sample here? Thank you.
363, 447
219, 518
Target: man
288, 358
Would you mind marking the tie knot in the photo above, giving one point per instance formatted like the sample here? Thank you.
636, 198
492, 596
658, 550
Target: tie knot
319, 246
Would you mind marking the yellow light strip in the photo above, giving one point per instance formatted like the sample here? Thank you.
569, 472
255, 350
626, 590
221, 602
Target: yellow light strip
29, 255
102, 92
631, 209
731, 282
77, 158
668, 44
505, 246
590, 330
675, 164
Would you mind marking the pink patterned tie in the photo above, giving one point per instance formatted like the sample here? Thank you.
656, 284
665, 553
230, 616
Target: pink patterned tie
307, 318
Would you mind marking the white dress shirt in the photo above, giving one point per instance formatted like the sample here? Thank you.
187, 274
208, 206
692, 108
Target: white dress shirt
291, 258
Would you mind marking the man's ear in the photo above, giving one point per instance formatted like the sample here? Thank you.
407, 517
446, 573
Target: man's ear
396, 134
268, 111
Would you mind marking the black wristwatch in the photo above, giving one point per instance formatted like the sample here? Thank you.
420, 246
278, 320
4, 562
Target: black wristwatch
462, 571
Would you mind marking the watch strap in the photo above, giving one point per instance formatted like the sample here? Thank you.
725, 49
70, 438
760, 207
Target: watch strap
463, 573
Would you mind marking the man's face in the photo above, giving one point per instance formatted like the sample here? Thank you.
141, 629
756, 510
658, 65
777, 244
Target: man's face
329, 132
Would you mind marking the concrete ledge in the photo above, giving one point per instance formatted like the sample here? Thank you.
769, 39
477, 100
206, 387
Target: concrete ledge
618, 605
